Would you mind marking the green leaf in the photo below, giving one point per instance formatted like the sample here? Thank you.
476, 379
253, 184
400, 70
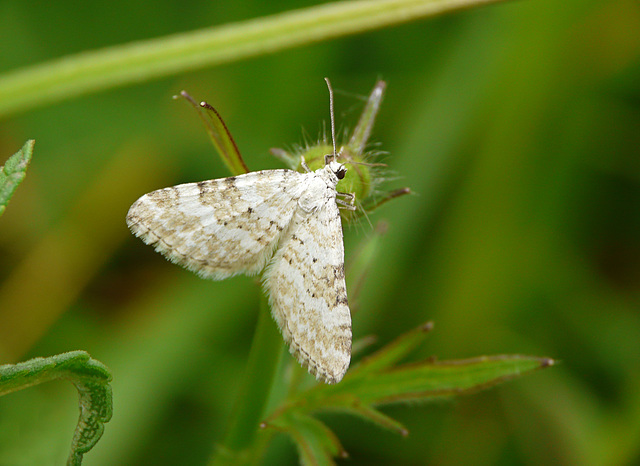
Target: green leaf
376, 381
316, 443
90, 377
13, 172
423, 381
375, 416
362, 131
393, 352
433, 379
220, 136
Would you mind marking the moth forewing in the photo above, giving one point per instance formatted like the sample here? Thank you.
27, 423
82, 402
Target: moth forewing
218, 228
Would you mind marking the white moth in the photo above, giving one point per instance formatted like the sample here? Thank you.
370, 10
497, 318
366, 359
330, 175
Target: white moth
283, 220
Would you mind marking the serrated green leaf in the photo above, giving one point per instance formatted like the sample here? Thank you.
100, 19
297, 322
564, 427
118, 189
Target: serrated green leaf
90, 377
428, 380
316, 443
361, 390
13, 172
374, 382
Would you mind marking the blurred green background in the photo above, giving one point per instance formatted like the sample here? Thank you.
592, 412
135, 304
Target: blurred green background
517, 125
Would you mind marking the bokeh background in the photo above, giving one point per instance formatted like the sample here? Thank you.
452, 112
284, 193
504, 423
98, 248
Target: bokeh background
518, 127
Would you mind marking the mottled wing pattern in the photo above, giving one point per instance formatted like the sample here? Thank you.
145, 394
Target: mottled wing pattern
219, 228
308, 295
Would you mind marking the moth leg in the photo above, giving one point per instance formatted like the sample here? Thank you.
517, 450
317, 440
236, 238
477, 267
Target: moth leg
349, 196
348, 201
304, 165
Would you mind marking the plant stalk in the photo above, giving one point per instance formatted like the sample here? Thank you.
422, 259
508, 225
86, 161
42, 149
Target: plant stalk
141, 61
252, 398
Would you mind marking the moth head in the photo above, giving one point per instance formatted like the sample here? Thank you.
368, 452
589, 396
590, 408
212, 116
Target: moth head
336, 168
340, 171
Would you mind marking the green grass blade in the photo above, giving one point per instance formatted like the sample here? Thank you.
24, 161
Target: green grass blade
90, 377
141, 61
13, 172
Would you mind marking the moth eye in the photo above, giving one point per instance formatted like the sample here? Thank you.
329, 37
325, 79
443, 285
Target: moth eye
341, 172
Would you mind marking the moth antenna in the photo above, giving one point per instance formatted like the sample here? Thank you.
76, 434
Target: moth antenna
333, 125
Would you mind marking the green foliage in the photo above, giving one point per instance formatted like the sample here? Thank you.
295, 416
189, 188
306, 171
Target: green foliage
377, 381
317, 445
13, 172
90, 377
219, 135
515, 124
